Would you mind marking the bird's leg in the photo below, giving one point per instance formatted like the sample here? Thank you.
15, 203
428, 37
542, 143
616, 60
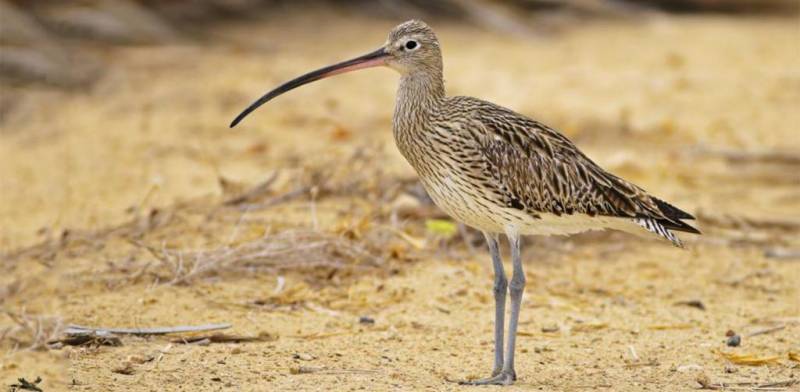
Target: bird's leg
515, 290
500, 287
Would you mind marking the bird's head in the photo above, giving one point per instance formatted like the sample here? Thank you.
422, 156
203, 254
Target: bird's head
411, 47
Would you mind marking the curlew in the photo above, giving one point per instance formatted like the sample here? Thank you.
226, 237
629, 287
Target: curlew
497, 171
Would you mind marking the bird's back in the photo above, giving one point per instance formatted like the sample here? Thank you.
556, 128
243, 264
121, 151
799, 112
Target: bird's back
495, 169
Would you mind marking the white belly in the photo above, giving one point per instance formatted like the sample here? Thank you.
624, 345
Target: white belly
467, 205
551, 224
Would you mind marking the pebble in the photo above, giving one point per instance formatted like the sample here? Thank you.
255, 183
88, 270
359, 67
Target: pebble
550, 328
303, 356
734, 341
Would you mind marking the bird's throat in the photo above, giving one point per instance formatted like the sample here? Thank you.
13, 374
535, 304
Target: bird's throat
418, 95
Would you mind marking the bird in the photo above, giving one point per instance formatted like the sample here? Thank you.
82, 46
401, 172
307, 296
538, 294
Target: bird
497, 171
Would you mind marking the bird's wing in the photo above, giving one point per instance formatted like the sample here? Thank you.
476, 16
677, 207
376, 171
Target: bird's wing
537, 169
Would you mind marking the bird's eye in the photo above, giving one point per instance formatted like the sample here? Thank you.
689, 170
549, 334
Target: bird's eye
411, 45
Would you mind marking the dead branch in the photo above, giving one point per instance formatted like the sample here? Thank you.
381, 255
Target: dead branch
90, 338
782, 254
705, 383
750, 157
25, 385
224, 338
282, 198
323, 370
79, 329
253, 193
766, 331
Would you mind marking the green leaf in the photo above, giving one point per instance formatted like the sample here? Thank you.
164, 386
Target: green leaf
441, 227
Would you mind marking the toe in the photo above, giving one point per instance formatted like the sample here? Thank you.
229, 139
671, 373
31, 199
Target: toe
503, 378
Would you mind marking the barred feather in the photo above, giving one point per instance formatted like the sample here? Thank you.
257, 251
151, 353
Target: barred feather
654, 227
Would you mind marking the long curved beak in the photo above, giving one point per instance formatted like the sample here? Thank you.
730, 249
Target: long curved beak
368, 60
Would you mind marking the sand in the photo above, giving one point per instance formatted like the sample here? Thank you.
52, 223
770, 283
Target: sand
701, 111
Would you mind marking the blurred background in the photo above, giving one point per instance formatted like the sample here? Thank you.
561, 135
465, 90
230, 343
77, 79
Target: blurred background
103, 87
121, 185
66, 43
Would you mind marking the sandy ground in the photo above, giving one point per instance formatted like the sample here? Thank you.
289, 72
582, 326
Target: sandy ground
701, 111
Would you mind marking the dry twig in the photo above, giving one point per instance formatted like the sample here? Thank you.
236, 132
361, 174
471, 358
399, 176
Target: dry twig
705, 383
78, 329
766, 331
224, 338
32, 332
254, 193
91, 338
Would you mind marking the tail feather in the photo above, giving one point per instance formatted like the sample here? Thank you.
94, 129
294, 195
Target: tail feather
670, 211
679, 226
657, 228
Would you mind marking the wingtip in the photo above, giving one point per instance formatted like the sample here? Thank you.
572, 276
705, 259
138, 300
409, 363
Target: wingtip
694, 230
679, 225
671, 211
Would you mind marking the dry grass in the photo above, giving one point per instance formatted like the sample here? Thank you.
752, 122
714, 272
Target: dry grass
273, 253
30, 332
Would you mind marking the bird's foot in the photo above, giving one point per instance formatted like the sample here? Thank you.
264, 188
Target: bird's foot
505, 377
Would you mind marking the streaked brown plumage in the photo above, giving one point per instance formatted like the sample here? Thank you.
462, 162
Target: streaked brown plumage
497, 170
506, 160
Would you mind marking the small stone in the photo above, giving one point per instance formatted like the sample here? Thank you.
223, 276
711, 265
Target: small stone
695, 303
303, 370
366, 320
734, 341
125, 368
731, 369
203, 342
138, 359
550, 328
730, 333
302, 356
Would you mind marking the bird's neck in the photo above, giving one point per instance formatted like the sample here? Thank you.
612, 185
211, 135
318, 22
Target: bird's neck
418, 96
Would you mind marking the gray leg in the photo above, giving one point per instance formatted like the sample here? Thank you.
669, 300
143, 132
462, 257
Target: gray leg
516, 288
500, 287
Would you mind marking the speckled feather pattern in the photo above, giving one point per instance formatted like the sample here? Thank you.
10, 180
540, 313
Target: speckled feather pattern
497, 170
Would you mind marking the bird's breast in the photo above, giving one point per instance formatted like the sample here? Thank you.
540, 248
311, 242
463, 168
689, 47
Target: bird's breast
461, 196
